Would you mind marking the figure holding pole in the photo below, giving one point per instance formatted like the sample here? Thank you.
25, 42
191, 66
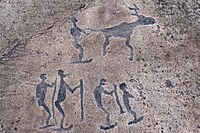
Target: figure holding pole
97, 95
126, 96
62, 96
41, 91
75, 31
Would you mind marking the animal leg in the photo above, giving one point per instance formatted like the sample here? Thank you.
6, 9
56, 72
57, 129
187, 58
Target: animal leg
105, 45
129, 46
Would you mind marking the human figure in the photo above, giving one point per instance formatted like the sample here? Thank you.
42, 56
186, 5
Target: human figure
62, 96
97, 95
41, 91
75, 31
126, 97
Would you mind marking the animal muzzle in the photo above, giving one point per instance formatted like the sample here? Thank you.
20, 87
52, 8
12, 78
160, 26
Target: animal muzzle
150, 20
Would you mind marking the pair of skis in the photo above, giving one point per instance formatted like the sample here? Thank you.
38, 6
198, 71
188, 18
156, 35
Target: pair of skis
114, 125
82, 62
58, 129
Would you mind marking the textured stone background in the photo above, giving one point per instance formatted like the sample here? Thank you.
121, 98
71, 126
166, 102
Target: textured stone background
35, 39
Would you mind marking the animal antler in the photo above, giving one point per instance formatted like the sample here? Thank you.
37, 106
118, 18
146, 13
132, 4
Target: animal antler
136, 9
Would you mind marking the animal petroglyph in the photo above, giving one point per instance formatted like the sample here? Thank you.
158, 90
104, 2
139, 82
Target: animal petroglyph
124, 30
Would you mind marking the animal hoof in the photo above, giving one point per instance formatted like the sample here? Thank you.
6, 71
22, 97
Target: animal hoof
130, 58
122, 112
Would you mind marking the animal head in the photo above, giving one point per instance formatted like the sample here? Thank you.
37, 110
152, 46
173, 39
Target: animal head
146, 20
143, 20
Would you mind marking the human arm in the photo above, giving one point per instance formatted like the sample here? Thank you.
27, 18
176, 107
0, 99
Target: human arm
129, 95
73, 90
108, 93
52, 84
86, 32
70, 89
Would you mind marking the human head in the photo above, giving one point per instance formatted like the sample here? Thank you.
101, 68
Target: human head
122, 86
103, 81
74, 20
61, 73
43, 76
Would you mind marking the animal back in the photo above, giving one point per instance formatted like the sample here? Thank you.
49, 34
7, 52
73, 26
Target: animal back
121, 30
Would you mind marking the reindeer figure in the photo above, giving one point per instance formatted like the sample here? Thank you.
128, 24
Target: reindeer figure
125, 30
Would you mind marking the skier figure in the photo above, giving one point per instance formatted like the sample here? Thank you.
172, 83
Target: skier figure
41, 91
62, 96
97, 95
126, 97
75, 31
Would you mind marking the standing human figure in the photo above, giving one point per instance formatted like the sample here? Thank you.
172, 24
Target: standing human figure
75, 31
126, 97
98, 98
62, 96
41, 91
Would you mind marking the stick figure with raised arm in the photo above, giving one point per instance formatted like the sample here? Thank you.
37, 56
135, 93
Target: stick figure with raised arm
61, 97
97, 95
41, 91
126, 97
75, 31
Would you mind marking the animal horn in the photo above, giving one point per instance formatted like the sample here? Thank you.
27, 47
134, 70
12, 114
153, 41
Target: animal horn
135, 8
